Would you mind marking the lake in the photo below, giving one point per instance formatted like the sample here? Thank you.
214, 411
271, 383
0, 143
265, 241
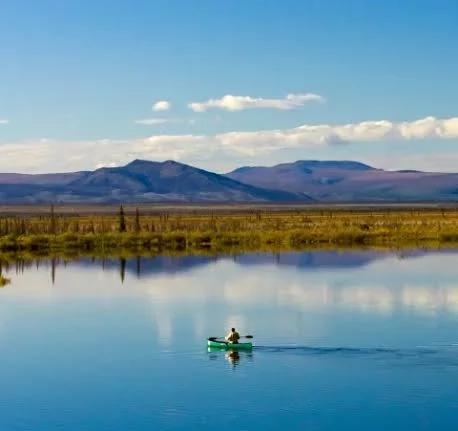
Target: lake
343, 340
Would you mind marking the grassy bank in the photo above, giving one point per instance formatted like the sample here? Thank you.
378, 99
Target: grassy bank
255, 229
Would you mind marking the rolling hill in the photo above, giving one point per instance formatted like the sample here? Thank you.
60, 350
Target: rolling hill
301, 181
138, 181
349, 181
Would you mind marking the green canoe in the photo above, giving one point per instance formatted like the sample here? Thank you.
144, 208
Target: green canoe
223, 344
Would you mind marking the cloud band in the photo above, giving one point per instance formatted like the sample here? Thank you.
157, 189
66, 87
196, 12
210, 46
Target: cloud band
240, 103
44, 155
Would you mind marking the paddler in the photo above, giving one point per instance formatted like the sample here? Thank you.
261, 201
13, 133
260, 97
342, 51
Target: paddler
233, 336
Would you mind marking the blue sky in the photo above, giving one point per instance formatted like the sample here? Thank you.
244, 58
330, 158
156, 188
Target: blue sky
79, 78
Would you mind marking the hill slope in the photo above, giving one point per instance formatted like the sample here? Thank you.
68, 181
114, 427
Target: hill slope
138, 181
338, 181
300, 181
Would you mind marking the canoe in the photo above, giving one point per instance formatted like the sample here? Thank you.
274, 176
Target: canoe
223, 344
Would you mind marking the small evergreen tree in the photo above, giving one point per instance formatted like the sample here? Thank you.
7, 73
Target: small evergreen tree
53, 221
122, 220
137, 221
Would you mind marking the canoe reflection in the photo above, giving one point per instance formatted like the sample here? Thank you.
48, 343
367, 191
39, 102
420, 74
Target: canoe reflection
232, 356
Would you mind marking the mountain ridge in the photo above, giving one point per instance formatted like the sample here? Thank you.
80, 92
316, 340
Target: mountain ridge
349, 181
137, 181
171, 181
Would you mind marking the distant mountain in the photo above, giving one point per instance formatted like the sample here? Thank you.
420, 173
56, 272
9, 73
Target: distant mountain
348, 181
138, 181
170, 181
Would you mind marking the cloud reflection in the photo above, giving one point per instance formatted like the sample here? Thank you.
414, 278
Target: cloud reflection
215, 294
423, 284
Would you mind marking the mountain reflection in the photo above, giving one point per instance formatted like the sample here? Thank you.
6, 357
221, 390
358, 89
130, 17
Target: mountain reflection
366, 281
144, 266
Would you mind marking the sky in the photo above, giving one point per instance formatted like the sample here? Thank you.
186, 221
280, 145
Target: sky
222, 84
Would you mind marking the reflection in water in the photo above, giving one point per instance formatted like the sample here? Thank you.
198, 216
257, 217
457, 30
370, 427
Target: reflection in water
369, 281
232, 356
141, 266
355, 340
288, 302
122, 268
445, 356
310, 260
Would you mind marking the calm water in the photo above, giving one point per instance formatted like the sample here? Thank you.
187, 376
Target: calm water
357, 340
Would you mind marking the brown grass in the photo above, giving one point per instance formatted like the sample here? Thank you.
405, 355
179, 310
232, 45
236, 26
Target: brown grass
206, 229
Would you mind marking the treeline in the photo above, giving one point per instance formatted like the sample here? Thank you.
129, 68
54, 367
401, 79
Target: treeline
60, 224
179, 231
166, 222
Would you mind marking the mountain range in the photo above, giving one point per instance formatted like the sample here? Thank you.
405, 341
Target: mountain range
308, 181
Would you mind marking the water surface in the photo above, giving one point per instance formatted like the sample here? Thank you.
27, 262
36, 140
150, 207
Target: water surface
361, 339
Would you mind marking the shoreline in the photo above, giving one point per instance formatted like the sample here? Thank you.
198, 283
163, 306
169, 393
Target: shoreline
125, 253
241, 242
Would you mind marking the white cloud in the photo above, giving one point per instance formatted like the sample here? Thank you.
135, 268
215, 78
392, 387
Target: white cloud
48, 155
156, 121
4, 121
427, 162
105, 165
152, 121
162, 105
239, 103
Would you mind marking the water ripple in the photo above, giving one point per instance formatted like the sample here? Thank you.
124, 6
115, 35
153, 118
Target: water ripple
447, 355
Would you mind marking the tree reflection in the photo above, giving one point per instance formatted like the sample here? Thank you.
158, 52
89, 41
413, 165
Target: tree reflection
122, 268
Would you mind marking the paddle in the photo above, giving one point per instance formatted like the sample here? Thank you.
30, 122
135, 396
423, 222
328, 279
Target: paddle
222, 338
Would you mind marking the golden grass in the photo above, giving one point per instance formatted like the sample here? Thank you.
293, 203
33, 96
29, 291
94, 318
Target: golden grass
253, 230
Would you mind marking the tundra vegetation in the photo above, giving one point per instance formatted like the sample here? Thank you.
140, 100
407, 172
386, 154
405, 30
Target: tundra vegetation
205, 229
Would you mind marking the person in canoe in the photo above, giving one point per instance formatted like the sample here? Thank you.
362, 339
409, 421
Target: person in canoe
233, 336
